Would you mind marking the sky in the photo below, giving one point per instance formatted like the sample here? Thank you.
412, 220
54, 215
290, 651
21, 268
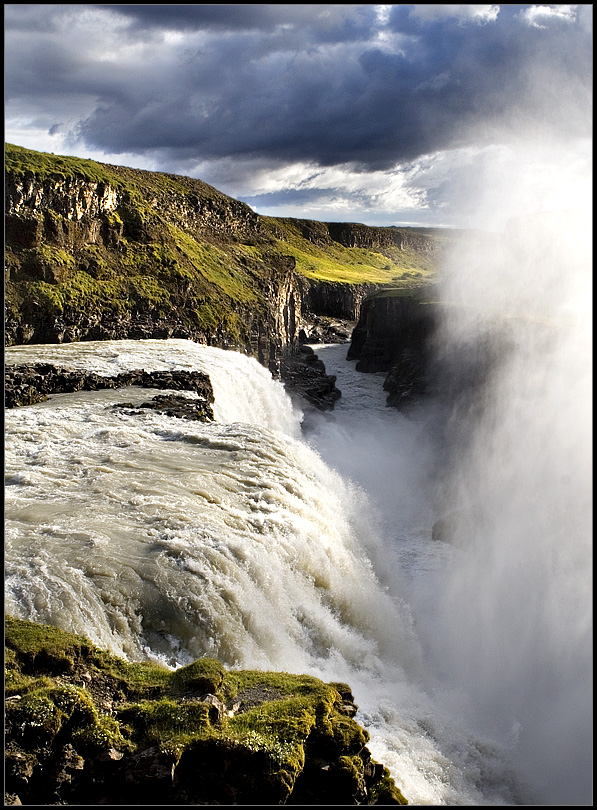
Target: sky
422, 115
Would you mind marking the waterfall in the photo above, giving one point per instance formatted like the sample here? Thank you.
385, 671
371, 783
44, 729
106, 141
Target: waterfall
250, 541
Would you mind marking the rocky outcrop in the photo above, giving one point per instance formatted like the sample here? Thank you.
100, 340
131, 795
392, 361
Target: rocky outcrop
84, 727
31, 383
394, 334
70, 197
174, 405
304, 376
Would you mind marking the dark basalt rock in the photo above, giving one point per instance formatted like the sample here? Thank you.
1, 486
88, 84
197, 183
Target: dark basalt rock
181, 407
447, 528
407, 378
304, 375
323, 329
31, 383
394, 334
85, 727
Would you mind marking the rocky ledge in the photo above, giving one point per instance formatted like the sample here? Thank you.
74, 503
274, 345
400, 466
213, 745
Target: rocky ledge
30, 383
301, 371
304, 376
85, 727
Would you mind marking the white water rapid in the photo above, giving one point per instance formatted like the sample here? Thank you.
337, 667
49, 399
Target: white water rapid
252, 541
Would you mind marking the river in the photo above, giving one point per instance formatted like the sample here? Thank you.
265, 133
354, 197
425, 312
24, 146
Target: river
270, 539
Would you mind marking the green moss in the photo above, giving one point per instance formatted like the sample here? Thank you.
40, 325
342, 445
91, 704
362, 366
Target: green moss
215, 264
21, 162
332, 262
45, 262
74, 701
85, 294
138, 680
351, 768
44, 648
96, 262
103, 734
205, 675
53, 255
254, 754
42, 711
34, 651
304, 709
36, 715
113, 218
167, 723
384, 791
149, 291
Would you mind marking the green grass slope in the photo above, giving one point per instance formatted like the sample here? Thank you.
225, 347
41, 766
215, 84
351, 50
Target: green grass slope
168, 247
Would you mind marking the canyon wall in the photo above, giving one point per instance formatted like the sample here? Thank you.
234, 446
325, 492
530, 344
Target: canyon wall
100, 252
394, 335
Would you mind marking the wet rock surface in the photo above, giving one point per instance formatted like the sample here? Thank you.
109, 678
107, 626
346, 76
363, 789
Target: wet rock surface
31, 383
394, 335
304, 376
181, 407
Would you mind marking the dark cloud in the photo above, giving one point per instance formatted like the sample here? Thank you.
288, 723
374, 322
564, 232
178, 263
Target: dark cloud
324, 22
371, 86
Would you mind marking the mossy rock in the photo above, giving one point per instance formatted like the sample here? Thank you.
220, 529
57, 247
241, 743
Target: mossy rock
86, 727
204, 676
169, 249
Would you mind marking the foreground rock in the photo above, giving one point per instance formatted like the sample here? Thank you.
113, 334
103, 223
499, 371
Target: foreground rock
85, 727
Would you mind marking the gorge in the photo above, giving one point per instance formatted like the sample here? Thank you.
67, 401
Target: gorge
296, 535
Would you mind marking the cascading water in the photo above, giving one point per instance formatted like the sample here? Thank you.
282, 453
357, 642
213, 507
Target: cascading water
166, 539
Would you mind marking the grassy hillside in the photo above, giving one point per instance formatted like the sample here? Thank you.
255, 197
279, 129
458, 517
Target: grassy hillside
86, 240
351, 265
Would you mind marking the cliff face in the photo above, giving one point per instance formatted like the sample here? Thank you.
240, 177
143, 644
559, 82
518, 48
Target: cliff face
363, 236
95, 251
355, 235
334, 299
394, 334
114, 257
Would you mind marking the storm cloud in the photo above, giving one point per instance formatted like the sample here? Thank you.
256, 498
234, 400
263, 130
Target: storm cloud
229, 93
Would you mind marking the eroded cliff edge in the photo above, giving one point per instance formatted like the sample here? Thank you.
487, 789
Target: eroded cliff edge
394, 334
